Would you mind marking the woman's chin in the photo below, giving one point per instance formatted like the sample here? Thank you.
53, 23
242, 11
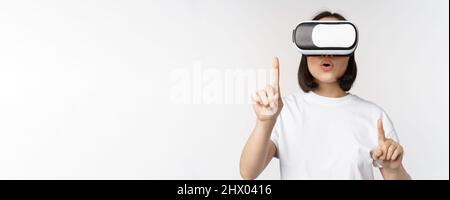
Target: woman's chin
327, 79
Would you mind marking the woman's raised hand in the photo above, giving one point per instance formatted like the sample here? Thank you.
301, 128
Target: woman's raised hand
389, 153
267, 102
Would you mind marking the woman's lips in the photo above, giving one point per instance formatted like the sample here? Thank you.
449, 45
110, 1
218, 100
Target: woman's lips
326, 65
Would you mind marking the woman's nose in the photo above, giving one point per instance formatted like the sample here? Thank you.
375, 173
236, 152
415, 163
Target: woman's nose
326, 55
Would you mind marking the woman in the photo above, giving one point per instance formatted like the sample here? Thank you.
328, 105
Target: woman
325, 133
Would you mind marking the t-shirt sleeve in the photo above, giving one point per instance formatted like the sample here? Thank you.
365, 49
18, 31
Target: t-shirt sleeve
389, 129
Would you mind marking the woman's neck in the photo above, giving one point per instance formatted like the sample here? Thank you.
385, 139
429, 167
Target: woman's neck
330, 90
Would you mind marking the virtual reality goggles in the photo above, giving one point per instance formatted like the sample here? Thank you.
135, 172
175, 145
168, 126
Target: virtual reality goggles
325, 37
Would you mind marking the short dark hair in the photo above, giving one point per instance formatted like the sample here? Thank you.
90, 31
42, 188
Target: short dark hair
305, 78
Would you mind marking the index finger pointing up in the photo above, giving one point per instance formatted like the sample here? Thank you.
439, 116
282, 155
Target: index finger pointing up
276, 73
381, 136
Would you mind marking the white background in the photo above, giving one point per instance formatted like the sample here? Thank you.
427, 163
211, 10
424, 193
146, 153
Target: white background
85, 85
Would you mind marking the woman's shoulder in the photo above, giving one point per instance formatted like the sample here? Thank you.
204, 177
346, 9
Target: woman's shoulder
293, 99
297, 100
362, 102
292, 103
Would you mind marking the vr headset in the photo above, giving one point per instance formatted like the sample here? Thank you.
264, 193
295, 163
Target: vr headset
325, 38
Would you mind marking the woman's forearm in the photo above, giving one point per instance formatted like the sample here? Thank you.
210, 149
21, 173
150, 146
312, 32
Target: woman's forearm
395, 174
258, 150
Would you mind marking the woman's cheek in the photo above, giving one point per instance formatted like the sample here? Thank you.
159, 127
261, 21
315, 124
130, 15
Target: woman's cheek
315, 71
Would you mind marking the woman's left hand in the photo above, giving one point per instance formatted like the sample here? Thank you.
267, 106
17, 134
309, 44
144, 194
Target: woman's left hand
389, 153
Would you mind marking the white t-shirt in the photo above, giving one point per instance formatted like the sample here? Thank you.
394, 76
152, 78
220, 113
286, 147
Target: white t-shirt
328, 138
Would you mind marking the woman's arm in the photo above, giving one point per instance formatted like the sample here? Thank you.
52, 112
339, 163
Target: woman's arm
259, 150
395, 174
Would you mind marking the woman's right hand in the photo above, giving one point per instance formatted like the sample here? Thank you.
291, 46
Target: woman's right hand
267, 102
